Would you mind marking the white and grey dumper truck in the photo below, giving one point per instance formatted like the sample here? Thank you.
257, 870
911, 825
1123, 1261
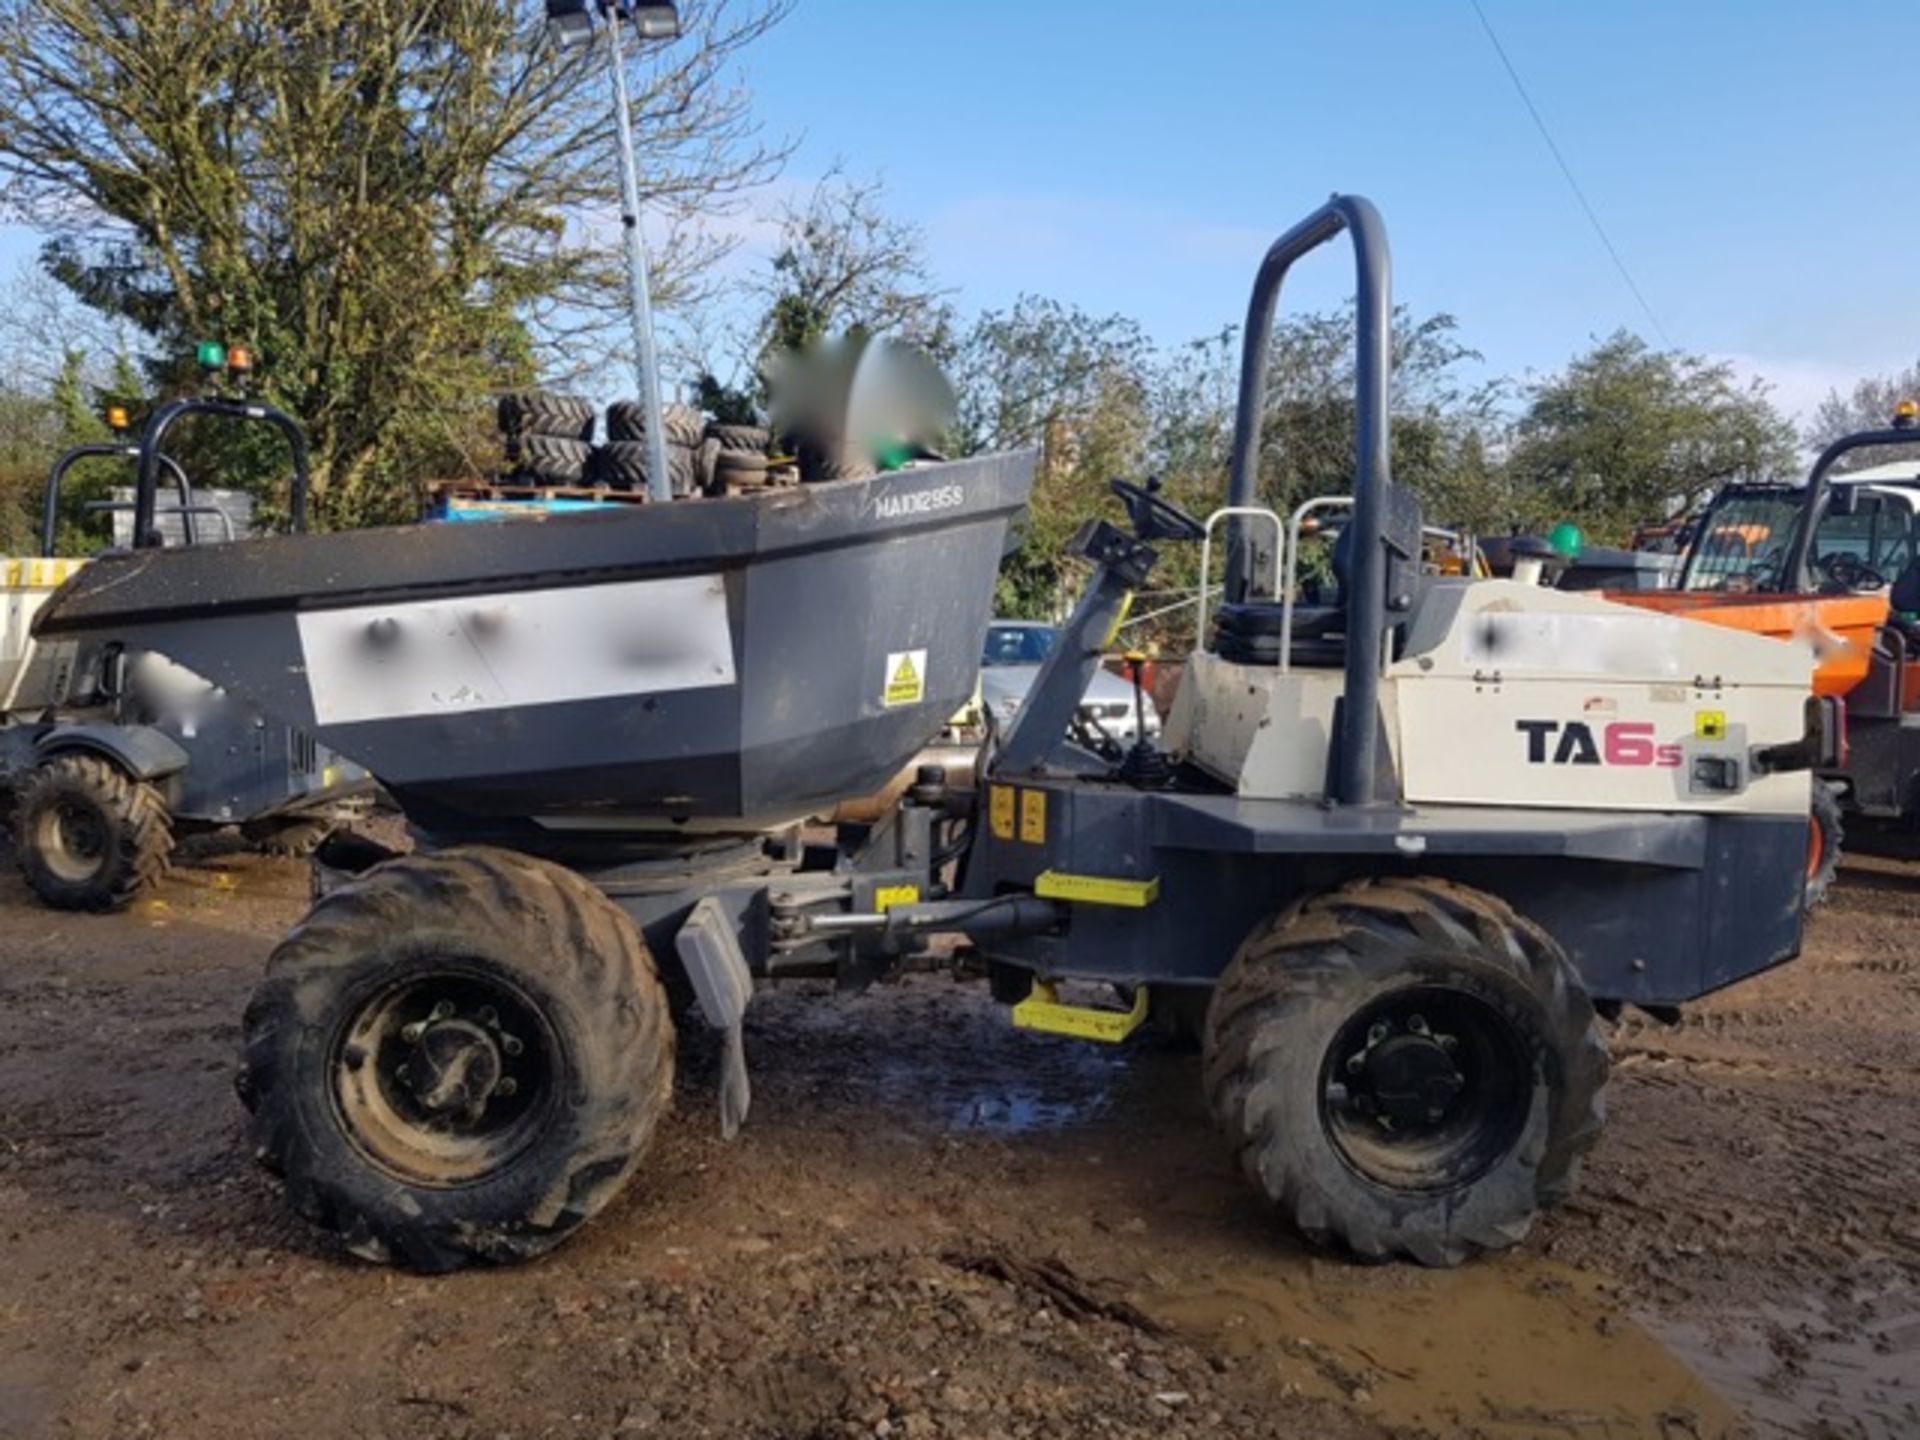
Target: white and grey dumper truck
1409, 842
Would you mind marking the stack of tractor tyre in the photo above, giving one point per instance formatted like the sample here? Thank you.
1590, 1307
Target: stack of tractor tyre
549, 438
549, 443
624, 461
740, 462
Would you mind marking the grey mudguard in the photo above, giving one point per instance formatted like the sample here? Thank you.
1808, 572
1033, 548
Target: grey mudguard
143, 752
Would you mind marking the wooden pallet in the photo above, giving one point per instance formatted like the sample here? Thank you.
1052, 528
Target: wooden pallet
482, 490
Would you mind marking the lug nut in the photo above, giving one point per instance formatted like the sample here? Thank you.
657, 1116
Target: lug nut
442, 1011
1377, 1032
1417, 1024
507, 1087
412, 1033
511, 1044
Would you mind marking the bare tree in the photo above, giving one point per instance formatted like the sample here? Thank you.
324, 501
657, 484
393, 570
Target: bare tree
1868, 406
398, 203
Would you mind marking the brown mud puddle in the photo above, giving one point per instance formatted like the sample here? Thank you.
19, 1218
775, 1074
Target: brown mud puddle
1521, 1347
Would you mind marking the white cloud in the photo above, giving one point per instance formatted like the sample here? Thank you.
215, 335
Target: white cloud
1796, 386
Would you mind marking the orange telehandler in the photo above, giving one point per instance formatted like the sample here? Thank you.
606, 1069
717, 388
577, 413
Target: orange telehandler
1833, 564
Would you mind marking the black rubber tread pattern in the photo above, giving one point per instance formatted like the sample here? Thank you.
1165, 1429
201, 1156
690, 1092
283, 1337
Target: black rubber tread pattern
685, 426
547, 460
623, 465
139, 832
1296, 980
741, 439
541, 412
1827, 815
557, 939
293, 837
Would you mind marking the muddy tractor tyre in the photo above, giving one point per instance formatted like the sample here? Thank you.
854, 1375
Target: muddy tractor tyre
88, 836
546, 460
1406, 1067
291, 837
457, 1057
1825, 832
685, 426
541, 412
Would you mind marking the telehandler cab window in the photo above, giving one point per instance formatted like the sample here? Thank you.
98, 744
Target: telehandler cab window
1878, 534
1743, 542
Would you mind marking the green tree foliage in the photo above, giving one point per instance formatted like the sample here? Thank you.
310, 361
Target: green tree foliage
373, 194
1076, 387
1627, 434
1868, 406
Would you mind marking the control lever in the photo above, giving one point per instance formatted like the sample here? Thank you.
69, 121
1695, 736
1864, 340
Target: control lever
1146, 765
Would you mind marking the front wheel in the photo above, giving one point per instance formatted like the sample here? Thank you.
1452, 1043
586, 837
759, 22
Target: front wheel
88, 836
457, 1057
1407, 1068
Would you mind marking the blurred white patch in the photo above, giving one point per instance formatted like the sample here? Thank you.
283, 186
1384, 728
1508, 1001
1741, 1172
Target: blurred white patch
530, 647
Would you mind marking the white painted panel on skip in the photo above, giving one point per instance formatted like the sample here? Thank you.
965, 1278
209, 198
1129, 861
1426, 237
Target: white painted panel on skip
524, 647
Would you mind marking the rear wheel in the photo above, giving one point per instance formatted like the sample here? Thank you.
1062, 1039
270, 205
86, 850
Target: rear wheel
88, 836
1824, 833
457, 1057
1407, 1068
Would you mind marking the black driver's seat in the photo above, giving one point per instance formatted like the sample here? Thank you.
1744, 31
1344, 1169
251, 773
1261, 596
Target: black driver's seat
1248, 633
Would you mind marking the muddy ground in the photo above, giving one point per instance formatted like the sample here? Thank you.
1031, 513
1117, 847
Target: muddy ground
935, 1226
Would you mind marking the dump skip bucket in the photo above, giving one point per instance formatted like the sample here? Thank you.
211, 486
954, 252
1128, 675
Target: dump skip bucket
710, 665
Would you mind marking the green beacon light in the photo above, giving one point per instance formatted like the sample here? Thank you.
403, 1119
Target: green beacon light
1566, 539
212, 355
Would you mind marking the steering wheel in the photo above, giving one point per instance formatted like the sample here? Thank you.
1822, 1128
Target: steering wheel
1846, 571
1154, 516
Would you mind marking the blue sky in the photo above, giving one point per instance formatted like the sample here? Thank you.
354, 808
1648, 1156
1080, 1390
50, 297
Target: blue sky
1745, 158
1752, 162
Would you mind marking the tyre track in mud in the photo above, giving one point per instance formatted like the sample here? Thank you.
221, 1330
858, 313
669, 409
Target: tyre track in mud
934, 1226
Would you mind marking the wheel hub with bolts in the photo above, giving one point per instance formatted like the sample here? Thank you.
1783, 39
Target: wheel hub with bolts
444, 1078
1405, 1075
74, 840
458, 1065
1424, 1088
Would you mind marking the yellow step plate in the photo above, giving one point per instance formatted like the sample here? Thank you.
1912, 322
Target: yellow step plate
1043, 1011
1096, 889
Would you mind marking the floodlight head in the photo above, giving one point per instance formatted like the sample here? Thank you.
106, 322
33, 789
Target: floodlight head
655, 22
570, 21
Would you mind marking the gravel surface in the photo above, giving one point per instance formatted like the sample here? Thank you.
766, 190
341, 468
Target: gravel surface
936, 1226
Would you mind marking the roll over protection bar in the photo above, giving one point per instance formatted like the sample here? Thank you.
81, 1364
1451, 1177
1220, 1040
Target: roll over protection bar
154, 436
1358, 736
56, 477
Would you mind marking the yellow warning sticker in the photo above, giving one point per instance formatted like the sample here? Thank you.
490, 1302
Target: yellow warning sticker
888, 896
1033, 817
906, 682
1000, 811
1709, 724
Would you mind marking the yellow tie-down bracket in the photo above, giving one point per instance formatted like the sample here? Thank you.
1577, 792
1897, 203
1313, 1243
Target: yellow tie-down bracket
1042, 1011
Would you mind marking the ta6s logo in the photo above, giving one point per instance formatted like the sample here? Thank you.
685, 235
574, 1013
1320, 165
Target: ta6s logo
1625, 742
